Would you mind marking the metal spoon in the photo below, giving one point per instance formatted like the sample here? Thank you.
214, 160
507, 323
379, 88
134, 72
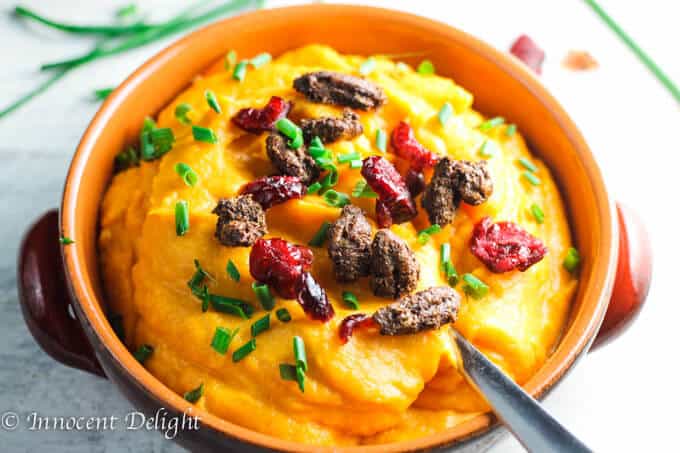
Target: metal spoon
535, 429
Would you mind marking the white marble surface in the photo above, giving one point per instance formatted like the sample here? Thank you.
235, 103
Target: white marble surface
620, 399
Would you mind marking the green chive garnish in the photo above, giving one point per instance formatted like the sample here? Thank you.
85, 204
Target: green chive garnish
231, 306
126, 11
233, 272
316, 141
425, 67
491, 123
445, 113
288, 372
126, 159
537, 212
260, 60
187, 174
260, 325
299, 351
424, 235
488, 149
510, 130
367, 66
243, 351
290, 130
230, 60
451, 273
314, 188
381, 140
444, 254
103, 93
350, 300
300, 378
194, 395
155, 142
335, 199
572, 261
348, 157
474, 287
143, 353
283, 315
526, 163
222, 339
264, 295
181, 217
354, 164
532, 178
319, 152
240, 71
181, 113
204, 134
363, 190
212, 101
320, 236
331, 178
64, 240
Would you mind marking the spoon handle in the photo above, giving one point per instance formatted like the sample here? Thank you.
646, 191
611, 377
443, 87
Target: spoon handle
535, 429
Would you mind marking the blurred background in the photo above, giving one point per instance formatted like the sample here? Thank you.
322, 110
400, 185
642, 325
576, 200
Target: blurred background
620, 398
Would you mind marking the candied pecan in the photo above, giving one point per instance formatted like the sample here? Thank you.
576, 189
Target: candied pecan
291, 162
349, 244
240, 221
394, 270
352, 322
425, 310
261, 120
504, 246
330, 129
272, 190
280, 264
406, 146
340, 89
528, 51
452, 182
395, 203
314, 300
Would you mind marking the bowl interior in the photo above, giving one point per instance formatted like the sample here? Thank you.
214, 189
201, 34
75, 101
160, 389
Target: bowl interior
501, 86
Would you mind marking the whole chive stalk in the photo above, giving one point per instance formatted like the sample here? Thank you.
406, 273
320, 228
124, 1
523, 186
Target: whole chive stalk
425, 67
143, 353
233, 272
181, 217
243, 351
212, 101
283, 315
264, 295
187, 174
204, 134
260, 325
350, 300
194, 395
320, 236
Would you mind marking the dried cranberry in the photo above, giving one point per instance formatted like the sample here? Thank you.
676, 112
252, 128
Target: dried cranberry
280, 264
351, 322
262, 120
415, 181
504, 246
395, 203
528, 51
313, 299
407, 147
272, 190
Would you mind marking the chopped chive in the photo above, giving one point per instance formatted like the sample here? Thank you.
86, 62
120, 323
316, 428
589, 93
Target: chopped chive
526, 163
194, 395
222, 339
314, 188
230, 60
243, 351
212, 101
488, 149
572, 261
348, 157
537, 212
335, 199
187, 174
204, 297
424, 235
181, 113
532, 178
283, 315
204, 134
300, 378
149, 124
155, 142
367, 66
126, 11
143, 353
451, 273
181, 217
300, 354
444, 255
350, 300
320, 236
297, 141
232, 306
199, 275
233, 272
65, 240
491, 123
363, 190
381, 140
316, 141
103, 93
264, 295
474, 287
288, 372
240, 71
510, 130
445, 113
354, 164
318, 153
260, 325
331, 178
290, 130
126, 159
260, 60
425, 67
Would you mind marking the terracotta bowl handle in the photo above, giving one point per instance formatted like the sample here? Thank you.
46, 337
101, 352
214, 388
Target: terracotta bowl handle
633, 276
45, 300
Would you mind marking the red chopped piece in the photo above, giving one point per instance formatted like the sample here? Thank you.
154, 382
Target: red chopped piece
314, 300
262, 120
280, 264
415, 181
528, 51
395, 203
407, 147
352, 322
272, 190
504, 246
